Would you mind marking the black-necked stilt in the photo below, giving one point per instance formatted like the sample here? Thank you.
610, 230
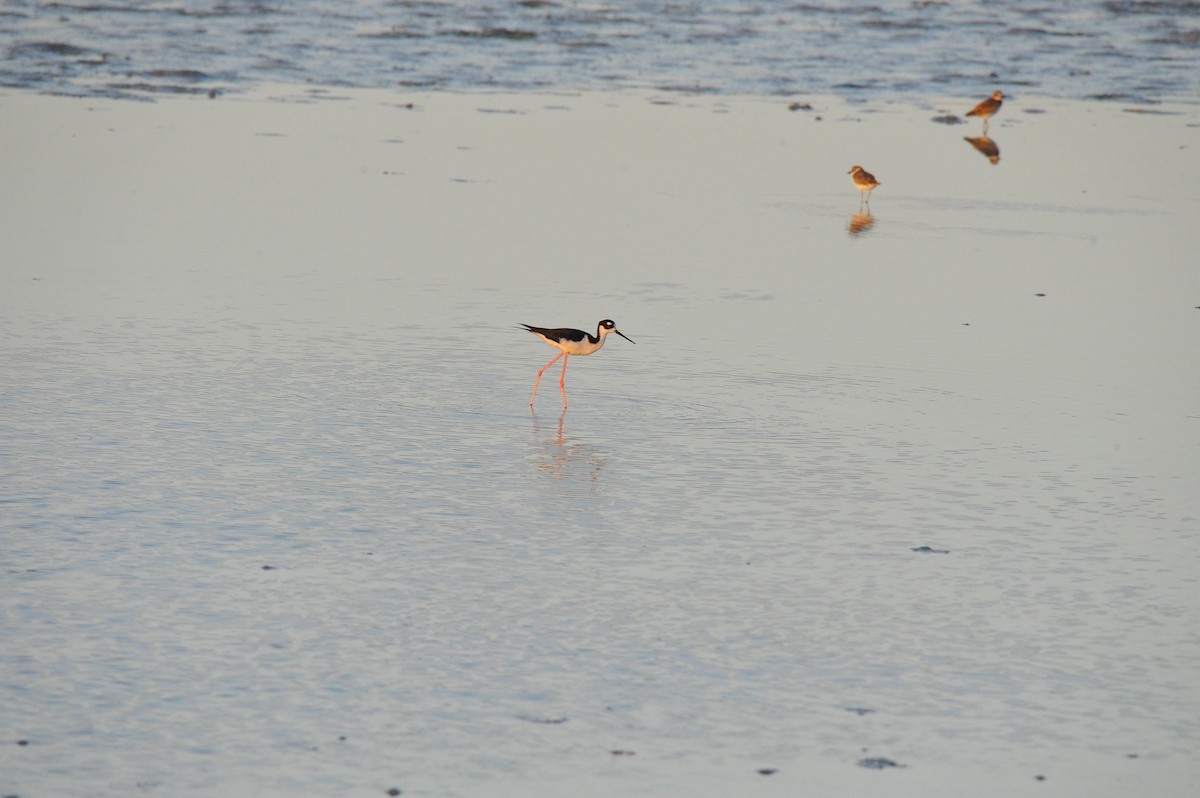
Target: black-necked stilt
988, 107
571, 342
864, 181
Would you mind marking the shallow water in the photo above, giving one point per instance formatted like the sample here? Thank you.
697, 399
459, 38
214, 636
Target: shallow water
1127, 50
278, 519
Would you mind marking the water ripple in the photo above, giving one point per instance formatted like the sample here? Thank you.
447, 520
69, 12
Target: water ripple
756, 47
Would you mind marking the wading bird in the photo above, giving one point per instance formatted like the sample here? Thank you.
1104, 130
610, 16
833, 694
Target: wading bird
864, 181
571, 342
988, 107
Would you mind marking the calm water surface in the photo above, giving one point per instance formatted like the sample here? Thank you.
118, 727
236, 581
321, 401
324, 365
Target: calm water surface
277, 519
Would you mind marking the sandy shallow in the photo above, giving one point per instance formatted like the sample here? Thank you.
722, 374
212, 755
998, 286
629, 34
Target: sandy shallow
278, 328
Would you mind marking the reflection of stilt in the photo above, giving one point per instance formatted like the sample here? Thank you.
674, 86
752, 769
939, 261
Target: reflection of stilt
558, 453
860, 223
561, 456
561, 418
986, 147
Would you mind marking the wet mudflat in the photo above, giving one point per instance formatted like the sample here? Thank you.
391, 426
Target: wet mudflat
909, 485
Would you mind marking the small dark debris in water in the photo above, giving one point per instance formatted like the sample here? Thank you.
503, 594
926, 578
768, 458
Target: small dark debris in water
879, 763
860, 711
547, 721
966, 324
928, 550
1040, 777
1039, 294
947, 119
496, 33
767, 771
152, 88
394, 32
800, 107
269, 568
26, 742
1131, 756
54, 48
342, 737
622, 752
182, 74
393, 791
1114, 96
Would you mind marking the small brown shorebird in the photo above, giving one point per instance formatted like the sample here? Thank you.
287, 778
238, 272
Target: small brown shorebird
988, 107
571, 342
864, 181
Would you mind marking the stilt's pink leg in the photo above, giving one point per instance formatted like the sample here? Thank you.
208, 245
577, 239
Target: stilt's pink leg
543, 371
562, 381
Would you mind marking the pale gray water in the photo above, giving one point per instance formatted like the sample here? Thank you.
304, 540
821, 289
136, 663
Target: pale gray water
258, 333
1127, 50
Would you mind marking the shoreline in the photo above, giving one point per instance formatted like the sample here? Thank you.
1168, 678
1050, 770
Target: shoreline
148, 93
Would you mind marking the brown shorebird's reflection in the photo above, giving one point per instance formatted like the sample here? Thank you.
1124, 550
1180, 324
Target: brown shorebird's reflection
987, 148
860, 223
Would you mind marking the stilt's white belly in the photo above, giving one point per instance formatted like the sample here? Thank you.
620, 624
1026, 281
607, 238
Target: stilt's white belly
584, 347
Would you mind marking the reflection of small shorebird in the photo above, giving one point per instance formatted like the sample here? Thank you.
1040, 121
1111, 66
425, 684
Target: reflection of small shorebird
571, 342
864, 181
988, 107
986, 147
860, 223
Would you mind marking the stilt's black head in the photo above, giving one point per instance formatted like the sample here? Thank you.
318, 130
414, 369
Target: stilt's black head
608, 325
